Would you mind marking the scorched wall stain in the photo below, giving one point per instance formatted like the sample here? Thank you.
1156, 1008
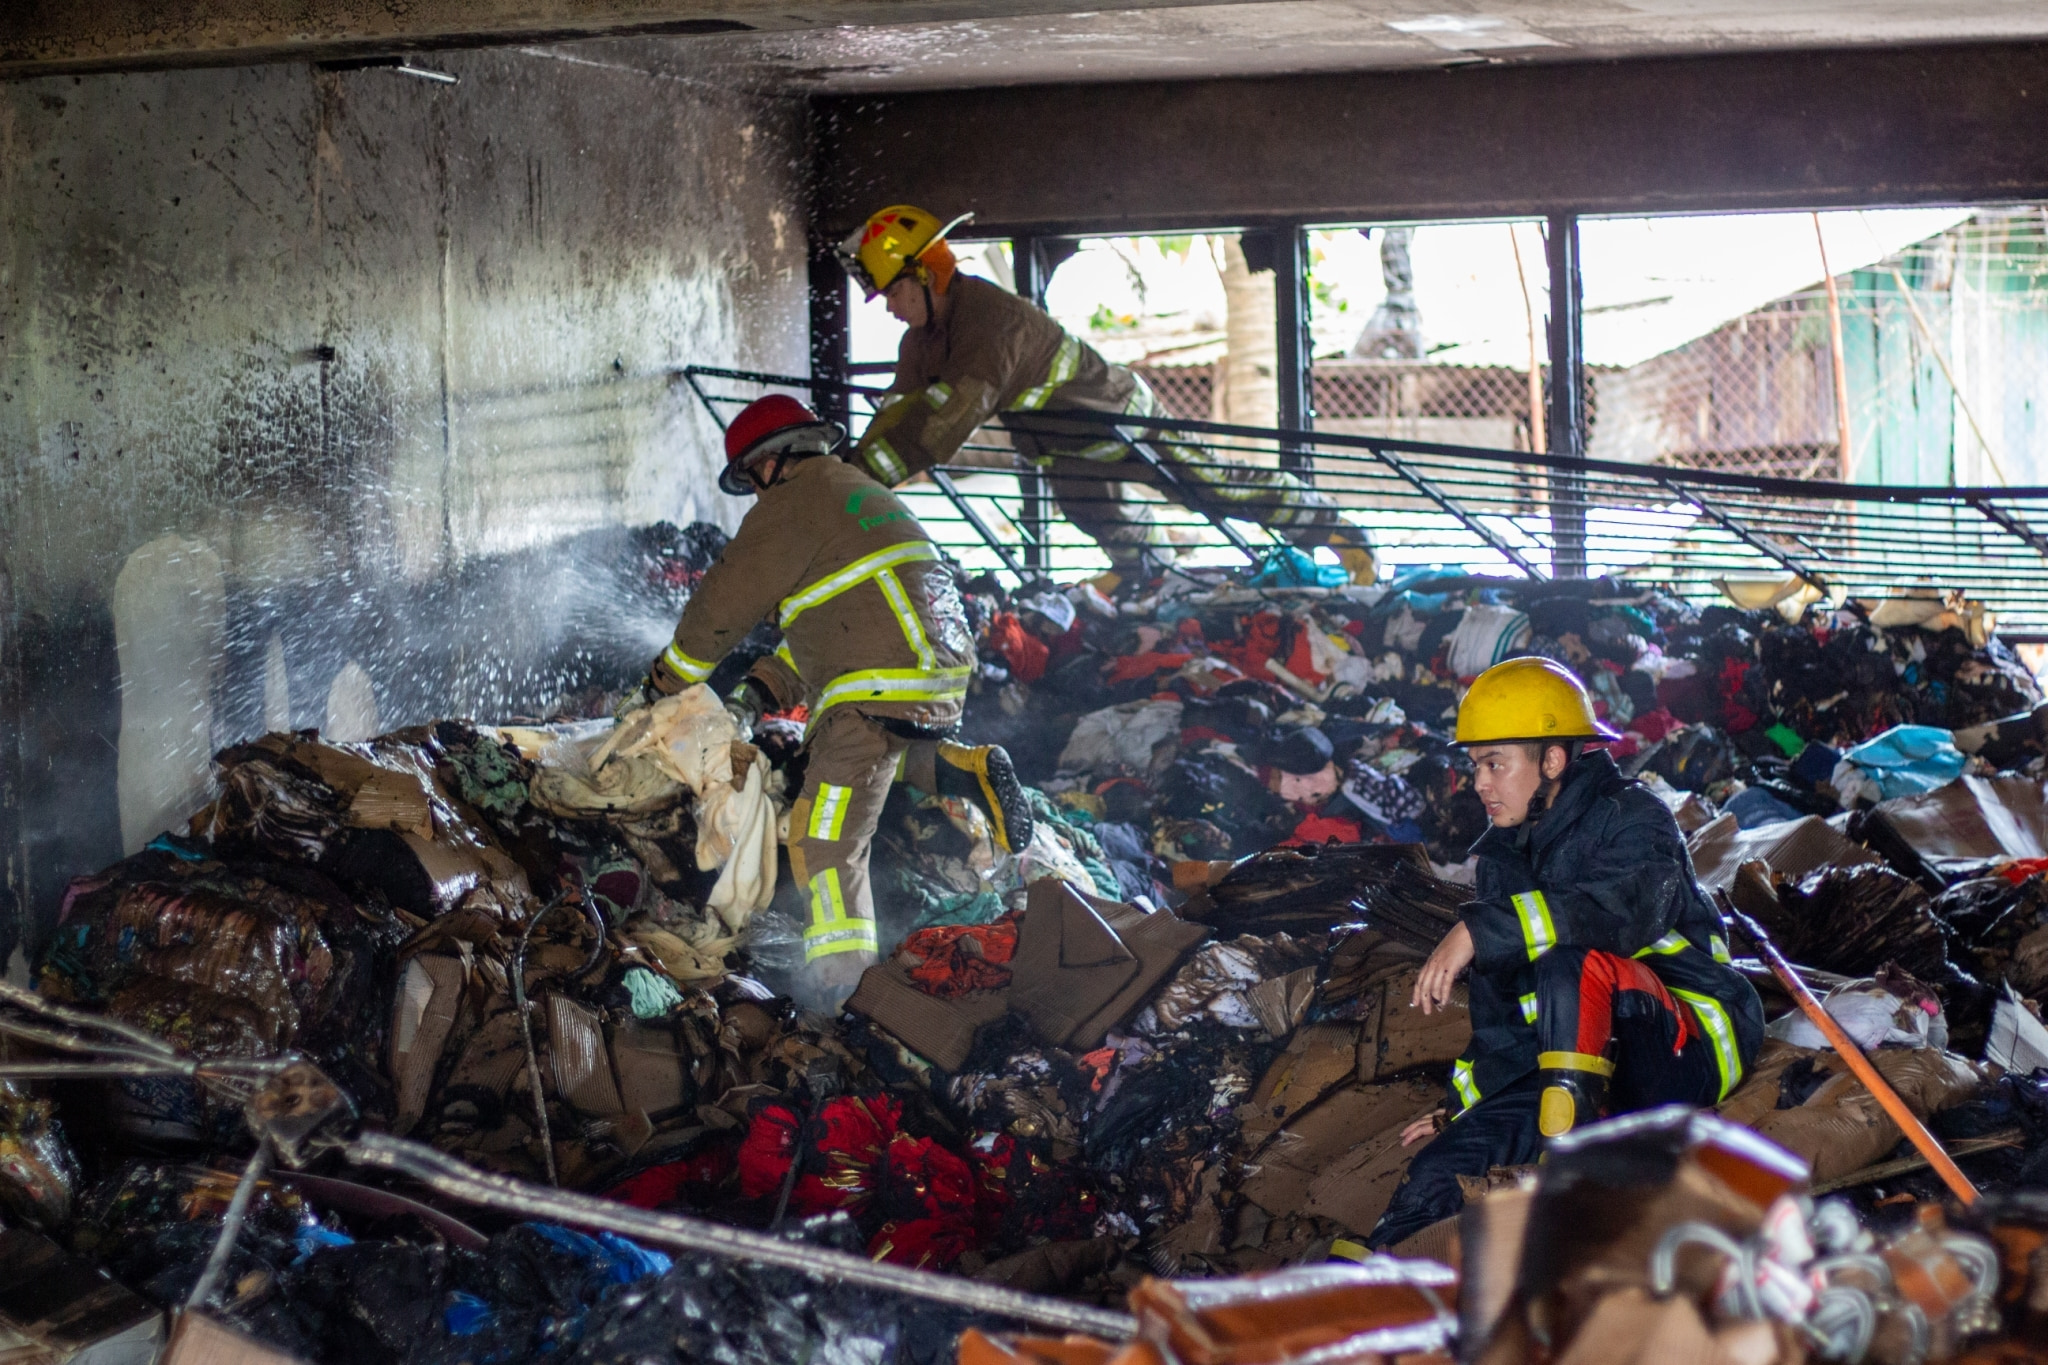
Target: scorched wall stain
371, 372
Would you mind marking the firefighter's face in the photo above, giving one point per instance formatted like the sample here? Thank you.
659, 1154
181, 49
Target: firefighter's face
906, 299
1507, 777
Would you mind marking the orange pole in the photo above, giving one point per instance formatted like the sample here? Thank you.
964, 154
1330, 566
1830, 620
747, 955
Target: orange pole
1916, 1132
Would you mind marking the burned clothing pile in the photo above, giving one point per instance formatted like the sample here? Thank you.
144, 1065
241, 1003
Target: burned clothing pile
1202, 718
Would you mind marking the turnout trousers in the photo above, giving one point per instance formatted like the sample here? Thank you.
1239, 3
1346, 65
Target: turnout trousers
1586, 1004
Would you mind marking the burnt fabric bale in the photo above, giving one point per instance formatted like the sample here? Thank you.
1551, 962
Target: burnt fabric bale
1390, 887
1854, 920
1988, 917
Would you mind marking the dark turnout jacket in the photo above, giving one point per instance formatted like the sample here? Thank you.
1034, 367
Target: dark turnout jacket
1605, 868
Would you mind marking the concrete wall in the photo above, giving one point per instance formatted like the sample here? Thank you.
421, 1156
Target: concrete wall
319, 369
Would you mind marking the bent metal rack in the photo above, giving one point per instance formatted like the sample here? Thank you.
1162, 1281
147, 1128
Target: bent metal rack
1468, 509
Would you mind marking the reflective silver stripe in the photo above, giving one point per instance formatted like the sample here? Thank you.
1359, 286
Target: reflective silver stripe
1539, 933
1720, 1031
938, 395
1461, 1081
896, 684
1529, 1008
1066, 363
831, 929
854, 574
885, 463
906, 617
1673, 942
828, 811
688, 669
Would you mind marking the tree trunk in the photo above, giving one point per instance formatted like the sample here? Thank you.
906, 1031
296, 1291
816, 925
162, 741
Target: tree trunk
1249, 394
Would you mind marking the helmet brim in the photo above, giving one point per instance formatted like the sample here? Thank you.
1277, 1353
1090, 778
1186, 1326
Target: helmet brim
1602, 733
733, 478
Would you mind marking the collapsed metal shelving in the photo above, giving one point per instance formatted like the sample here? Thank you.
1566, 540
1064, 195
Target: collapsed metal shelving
1468, 509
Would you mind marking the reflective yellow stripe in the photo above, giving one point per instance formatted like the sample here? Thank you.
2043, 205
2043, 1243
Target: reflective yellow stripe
1719, 947
1529, 1008
1720, 1031
828, 812
788, 659
853, 575
884, 463
1673, 942
1461, 1081
1574, 1061
683, 666
1538, 932
831, 930
895, 684
1066, 363
906, 617
938, 395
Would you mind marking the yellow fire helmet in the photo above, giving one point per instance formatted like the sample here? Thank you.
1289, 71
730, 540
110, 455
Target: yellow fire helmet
1528, 699
876, 252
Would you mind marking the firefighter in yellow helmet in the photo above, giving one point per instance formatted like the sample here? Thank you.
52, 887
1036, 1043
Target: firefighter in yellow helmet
972, 352
1599, 967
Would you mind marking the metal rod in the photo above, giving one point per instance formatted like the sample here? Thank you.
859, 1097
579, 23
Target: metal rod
1845, 1047
945, 484
230, 1227
1805, 490
525, 1012
447, 1175
2011, 523
1294, 353
1466, 519
11, 994
1567, 398
1743, 534
86, 1070
831, 333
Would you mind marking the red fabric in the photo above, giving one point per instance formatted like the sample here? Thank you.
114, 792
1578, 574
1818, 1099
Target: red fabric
1021, 651
919, 1196
1301, 661
1259, 641
2020, 870
1202, 734
1131, 667
1653, 725
688, 1182
958, 958
1736, 716
1605, 974
1070, 644
1324, 829
1690, 699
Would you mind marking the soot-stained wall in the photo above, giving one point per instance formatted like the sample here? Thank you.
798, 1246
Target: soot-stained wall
326, 399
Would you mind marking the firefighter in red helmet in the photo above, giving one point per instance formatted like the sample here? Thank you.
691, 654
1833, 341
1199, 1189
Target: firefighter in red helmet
875, 644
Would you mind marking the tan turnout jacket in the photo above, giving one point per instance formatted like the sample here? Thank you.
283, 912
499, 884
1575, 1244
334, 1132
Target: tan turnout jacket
995, 355
869, 613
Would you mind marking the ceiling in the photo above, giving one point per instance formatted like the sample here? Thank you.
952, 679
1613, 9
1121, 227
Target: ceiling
1275, 37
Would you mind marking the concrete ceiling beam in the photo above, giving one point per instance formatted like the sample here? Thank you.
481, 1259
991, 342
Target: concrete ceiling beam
1876, 126
52, 37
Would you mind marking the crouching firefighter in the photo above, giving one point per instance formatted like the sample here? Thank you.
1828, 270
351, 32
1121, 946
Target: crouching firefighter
1600, 978
875, 643
972, 352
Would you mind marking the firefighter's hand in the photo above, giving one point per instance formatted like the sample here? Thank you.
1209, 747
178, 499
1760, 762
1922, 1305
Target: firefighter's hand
1429, 1125
1452, 956
640, 695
